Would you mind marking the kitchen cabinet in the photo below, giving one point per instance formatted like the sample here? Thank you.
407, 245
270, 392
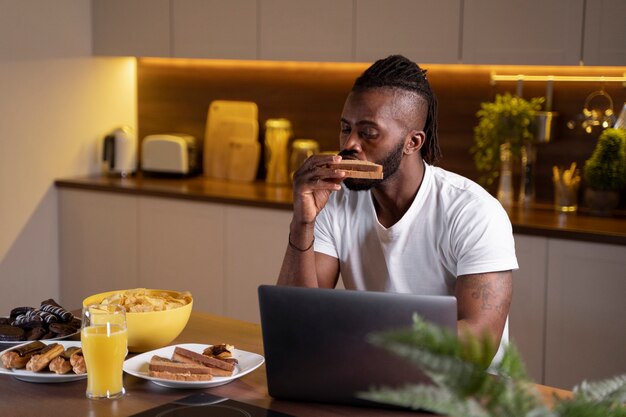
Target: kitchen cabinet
605, 32
532, 32
424, 31
214, 29
181, 247
219, 252
306, 31
98, 241
255, 247
585, 311
527, 316
131, 27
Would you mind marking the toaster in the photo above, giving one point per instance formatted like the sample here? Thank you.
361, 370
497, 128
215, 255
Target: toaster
173, 154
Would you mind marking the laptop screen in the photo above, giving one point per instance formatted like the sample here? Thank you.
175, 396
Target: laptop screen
315, 340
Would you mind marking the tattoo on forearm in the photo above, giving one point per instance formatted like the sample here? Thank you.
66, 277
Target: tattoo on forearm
493, 294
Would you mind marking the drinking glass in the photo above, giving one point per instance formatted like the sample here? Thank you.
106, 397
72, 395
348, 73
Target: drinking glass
104, 340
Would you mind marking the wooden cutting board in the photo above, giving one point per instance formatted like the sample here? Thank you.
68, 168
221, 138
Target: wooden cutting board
227, 120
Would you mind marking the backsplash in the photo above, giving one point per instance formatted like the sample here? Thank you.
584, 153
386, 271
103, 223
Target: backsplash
174, 96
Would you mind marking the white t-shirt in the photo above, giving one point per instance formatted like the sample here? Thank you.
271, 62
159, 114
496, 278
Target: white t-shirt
453, 227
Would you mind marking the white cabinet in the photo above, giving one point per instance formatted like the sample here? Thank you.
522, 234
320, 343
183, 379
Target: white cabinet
219, 252
531, 32
181, 248
131, 27
605, 32
98, 243
255, 248
586, 312
214, 29
306, 30
527, 316
425, 31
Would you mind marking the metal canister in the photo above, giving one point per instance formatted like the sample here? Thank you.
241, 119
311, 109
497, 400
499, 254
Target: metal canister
301, 149
277, 135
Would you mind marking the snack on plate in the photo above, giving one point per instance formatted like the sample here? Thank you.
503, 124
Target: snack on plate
179, 371
187, 365
34, 323
42, 359
356, 168
77, 360
18, 357
141, 300
217, 367
222, 351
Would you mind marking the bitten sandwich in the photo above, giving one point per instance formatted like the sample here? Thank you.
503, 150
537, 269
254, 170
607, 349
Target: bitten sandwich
355, 168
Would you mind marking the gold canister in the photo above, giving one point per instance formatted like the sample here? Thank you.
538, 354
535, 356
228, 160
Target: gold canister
277, 135
301, 149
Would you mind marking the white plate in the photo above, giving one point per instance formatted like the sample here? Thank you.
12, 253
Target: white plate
21, 342
43, 376
138, 366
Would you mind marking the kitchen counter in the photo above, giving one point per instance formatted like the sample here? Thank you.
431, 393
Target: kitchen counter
68, 399
536, 220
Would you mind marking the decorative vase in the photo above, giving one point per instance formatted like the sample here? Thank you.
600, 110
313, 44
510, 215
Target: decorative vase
601, 203
505, 185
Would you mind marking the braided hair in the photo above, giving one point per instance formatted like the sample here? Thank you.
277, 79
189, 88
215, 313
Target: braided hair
396, 71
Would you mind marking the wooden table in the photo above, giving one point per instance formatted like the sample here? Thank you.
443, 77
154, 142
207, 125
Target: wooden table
18, 398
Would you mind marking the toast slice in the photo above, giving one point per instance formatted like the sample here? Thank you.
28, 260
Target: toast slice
356, 168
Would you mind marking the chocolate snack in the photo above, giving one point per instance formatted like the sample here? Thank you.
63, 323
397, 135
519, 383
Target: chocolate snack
10, 333
51, 306
5, 320
35, 333
18, 311
61, 329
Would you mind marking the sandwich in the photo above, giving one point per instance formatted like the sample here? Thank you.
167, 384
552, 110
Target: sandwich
356, 168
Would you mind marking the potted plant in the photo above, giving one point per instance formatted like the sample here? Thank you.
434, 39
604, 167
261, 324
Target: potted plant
605, 172
462, 388
508, 119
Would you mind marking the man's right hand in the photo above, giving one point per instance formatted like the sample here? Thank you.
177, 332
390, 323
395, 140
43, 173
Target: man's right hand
313, 183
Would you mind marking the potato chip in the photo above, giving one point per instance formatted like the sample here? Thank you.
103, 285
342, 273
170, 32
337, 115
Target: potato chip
141, 300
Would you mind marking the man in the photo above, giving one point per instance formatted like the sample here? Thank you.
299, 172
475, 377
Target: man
419, 230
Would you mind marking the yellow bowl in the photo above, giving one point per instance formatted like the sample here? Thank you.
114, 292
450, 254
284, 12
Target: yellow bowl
150, 330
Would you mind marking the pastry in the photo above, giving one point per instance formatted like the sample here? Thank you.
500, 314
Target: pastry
41, 359
18, 357
217, 367
78, 362
179, 371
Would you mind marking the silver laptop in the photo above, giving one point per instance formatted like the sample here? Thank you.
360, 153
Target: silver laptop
315, 340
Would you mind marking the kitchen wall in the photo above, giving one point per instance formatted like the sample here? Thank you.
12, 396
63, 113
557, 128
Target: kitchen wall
56, 102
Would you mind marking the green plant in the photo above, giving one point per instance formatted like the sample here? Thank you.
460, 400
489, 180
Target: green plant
507, 119
462, 388
605, 170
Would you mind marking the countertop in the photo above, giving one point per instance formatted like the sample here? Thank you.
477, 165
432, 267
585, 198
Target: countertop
68, 399
536, 219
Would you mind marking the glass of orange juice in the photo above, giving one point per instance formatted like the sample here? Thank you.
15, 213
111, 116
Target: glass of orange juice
104, 340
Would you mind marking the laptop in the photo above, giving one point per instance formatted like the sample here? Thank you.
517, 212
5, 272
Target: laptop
315, 340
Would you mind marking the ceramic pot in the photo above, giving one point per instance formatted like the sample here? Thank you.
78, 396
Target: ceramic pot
601, 203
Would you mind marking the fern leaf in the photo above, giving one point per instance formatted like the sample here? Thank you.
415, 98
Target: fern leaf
430, 398
611, 390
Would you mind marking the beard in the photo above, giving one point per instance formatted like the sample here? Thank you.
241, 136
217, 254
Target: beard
390, 164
